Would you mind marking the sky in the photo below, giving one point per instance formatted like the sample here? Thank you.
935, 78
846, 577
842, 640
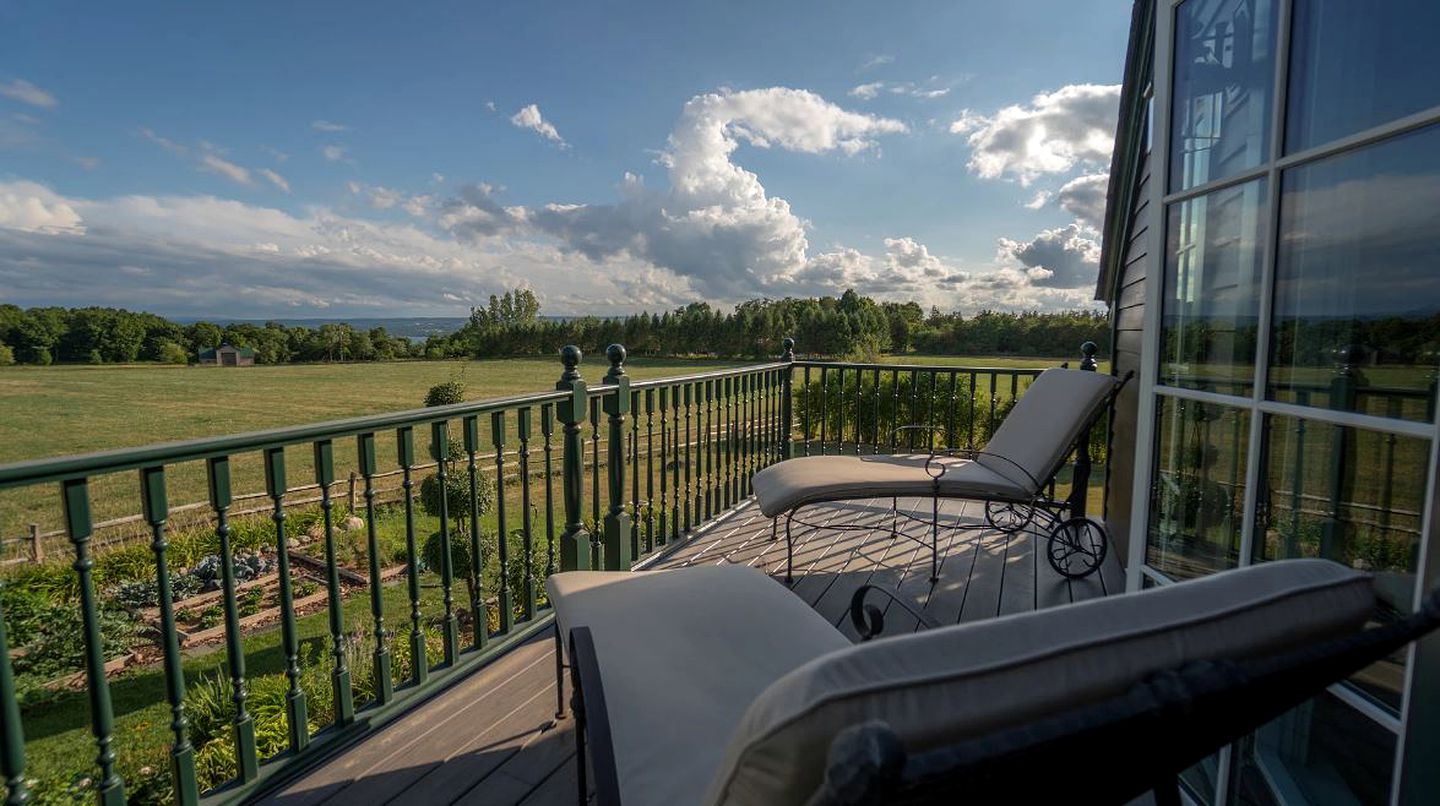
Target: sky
251, 160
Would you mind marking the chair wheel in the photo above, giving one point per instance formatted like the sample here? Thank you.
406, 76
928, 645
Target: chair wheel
1008, 518
1077, 547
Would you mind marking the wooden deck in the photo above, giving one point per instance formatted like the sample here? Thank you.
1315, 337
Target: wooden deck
491, 737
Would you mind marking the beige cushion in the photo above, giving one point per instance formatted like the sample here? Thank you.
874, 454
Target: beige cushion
956, 683
786, 485
1045, 422
682, 654
1036, 435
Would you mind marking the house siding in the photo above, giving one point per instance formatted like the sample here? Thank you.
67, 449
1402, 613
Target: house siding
1128, 318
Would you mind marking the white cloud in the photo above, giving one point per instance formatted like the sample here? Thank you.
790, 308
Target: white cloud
334, 152
866, 92
383, 198
1058, 130
871, 90
225, 168
275, 153
715, 224
327, 126
490, 106
1064, 257
529, 117
88, 163
275, 179
26, 93
1084, 198
31, 207
877, 60
1038, 200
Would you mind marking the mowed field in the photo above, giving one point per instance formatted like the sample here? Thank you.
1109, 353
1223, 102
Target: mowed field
56, 411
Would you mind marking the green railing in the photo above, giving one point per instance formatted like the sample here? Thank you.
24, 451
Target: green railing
640, 465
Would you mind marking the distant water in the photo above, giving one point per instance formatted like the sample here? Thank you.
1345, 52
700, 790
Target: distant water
415, 328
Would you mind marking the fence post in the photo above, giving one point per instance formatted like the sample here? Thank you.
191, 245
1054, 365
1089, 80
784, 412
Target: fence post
37, 549
787, 447
1080, 480
617, 406
351, 496
574, 541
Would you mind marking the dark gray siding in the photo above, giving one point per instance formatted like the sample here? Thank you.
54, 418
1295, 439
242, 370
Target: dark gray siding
1128, 315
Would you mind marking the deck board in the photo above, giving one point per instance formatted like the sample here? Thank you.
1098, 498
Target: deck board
492, 738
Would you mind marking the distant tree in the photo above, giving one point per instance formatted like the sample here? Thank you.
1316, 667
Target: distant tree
172, 353
7, 355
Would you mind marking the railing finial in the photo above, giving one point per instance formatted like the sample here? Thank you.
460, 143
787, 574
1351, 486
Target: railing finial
616, 355
788, 345
1088, 363
569, 356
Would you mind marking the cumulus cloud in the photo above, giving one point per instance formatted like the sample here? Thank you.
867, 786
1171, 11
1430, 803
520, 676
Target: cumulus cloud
1058, 130
1064, 257
205, 255
384, 198
715, 224
1084, 198
26, 93
529, 117
328, 126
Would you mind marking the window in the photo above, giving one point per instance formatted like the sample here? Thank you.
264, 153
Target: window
1352, 68
1224, 75
1199, 488
1322, 752
1357, 293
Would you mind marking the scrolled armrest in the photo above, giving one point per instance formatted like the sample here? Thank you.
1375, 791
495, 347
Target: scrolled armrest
869, 620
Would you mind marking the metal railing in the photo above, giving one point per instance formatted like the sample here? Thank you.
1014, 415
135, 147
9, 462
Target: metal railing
640, 465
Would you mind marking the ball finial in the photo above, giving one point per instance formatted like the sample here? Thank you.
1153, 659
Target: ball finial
570, 359
616, 354
787, 344
1089, 349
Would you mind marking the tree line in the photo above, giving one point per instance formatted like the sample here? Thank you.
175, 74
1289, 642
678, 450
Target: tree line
850, 325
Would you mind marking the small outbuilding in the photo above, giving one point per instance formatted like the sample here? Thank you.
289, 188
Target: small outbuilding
228, 356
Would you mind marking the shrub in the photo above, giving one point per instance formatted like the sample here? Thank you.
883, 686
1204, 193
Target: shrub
172, 353
446, 394
7, 355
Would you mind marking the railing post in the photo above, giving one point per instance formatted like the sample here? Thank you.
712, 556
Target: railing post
37, 549
12, 736
617, 406
787, 399
1080, 479
182, 753
110, 789
574, 541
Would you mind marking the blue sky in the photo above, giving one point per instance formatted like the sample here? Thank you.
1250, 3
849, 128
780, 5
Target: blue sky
387, 159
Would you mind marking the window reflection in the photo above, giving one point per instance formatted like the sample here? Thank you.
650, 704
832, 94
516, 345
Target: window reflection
1224, 74
1199, 490
1357, 286
1212, 287
1353, 496
1321, 752
1352, 68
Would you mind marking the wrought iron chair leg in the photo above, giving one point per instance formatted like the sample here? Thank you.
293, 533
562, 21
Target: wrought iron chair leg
559, 674
894, 517
934, 539
789, 548
774, 529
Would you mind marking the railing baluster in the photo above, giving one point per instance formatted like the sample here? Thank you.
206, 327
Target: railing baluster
752, 400
840, 411
637, 549
547, 429
893, 438
380, 660
344, 699
875, 424
970, 435
12, 735
650, 470
506, 603
711, 497
295, 710
950, 411
529, 593
990, 425
217, 474
665, 440
575, 543
479, 613
595, 489
440, 452
689, 394
930, 415
182, 754
732, 477
859, 407
824, 406
405, 448
805, 410
110, 788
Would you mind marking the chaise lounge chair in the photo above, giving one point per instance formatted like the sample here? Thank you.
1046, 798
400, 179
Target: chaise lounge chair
1010, 475
715, 685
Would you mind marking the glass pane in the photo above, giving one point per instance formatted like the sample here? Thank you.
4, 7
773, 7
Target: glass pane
1352, 67
1323, 752
1199, 494
1212, 290
1352, 496
1357, 281
1224, 75
1199, 780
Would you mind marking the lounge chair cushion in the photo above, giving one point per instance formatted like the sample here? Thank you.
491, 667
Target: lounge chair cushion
682, 653
1037, 434
786, 485
957, 683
